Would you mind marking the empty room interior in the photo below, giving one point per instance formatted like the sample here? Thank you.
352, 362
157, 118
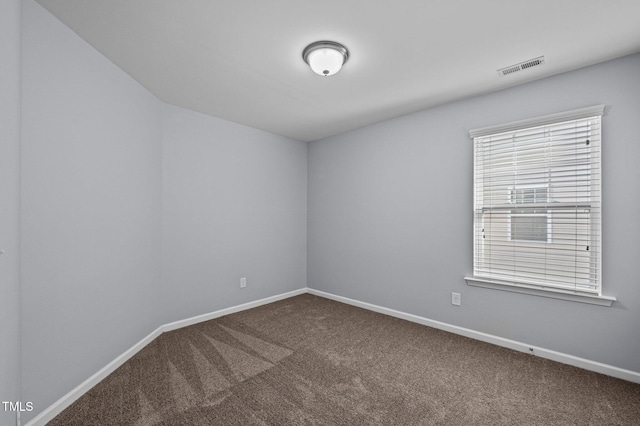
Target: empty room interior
302, 212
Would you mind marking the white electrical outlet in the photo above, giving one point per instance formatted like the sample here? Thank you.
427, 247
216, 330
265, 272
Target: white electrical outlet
456, 299
243, 282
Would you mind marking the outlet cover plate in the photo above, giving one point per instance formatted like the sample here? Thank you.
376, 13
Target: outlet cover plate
456, 299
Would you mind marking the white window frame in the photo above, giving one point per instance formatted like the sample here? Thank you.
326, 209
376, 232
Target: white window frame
522, 286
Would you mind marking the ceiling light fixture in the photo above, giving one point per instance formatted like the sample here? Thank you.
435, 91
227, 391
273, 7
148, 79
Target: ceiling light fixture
325, 57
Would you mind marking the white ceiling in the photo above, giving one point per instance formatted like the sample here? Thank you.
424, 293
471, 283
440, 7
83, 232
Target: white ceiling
241, 59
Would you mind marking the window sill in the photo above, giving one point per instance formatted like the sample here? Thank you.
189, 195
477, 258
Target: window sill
553, 293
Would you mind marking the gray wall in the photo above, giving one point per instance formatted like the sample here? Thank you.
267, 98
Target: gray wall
120, 237
9, 205
234, 205
91, 206
390, 216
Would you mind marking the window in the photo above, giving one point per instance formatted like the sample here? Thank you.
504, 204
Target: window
537, 205
529, 224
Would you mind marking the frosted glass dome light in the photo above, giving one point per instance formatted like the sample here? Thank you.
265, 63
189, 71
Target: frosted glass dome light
325, 57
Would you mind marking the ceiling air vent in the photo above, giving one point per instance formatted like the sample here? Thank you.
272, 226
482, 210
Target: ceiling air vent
521, 66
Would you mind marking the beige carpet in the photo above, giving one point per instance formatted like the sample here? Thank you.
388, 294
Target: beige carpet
312, 361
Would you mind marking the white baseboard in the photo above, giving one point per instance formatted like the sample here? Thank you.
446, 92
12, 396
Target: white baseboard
228, 311
57, 407
609, 370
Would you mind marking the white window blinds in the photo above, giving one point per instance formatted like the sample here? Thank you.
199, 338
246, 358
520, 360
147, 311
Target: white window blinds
537, 202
